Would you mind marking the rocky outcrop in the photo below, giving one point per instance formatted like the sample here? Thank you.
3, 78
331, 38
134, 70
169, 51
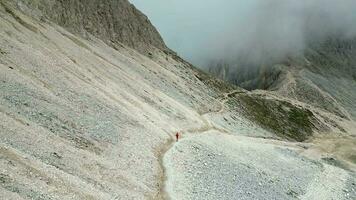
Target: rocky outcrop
113, 21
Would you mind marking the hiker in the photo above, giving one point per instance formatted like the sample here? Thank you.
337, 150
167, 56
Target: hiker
177, 136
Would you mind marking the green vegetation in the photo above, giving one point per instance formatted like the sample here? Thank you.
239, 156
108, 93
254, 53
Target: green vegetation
284, 119
301, 119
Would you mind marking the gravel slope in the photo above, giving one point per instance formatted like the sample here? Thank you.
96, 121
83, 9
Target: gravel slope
77, 115
83, 120
215, 165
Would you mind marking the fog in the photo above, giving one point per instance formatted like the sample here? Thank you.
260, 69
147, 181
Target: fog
248, 31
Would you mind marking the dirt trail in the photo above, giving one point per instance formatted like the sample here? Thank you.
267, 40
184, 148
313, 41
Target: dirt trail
208, 126
205, 128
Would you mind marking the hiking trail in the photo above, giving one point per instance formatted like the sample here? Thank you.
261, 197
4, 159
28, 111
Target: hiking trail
205, 128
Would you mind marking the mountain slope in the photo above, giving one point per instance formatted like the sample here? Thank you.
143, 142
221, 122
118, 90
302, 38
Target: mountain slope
82, 118
76, 115
323, 77
112, 21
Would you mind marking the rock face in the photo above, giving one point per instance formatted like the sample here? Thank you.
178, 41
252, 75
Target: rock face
112, 21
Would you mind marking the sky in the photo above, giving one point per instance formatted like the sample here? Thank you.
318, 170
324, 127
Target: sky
202, 31
187, 25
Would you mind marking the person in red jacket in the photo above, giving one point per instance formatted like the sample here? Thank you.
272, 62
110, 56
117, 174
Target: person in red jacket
177, 136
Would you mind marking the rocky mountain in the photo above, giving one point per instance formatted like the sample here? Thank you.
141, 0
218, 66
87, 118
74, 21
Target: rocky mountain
112, 21
324, 76
91, 100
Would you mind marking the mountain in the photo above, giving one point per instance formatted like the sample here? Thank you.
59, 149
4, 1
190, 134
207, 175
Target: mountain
91, 99
112, 21
323, 77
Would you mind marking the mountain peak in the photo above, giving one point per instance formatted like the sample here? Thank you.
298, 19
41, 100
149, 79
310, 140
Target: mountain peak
113, 21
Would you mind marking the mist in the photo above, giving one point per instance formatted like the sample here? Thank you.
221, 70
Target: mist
251, 32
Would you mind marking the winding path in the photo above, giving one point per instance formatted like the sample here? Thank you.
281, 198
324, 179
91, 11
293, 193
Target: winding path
205, 128
331, 182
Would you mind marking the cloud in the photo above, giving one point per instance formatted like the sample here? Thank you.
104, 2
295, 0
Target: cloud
248, 31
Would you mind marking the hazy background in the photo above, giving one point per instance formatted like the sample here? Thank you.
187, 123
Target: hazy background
203, 31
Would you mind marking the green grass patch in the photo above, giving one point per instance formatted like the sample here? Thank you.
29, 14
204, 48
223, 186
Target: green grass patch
284, 119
